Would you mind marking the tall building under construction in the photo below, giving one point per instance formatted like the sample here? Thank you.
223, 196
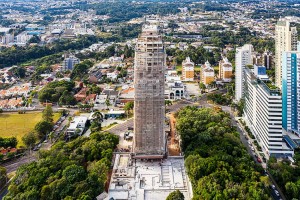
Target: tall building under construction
149, 105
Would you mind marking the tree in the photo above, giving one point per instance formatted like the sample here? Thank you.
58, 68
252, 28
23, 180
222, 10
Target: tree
74, 173
8, 142
128, 107
107, 103
215, 156
176, 195
98, 116
48, 114
19, 72
202, 87
69, 170
43, 128
51, 136
29, 139
168, 102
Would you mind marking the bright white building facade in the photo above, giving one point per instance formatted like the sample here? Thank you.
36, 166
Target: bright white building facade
242, 58
263, 115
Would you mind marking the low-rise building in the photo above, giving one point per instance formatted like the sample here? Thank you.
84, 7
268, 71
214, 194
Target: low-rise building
225, 70
207, 73
144, 180
77, 126
69, 62
188, 70
174, 90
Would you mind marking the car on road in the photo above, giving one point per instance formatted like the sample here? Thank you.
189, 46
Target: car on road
258, 160
277, 193
273, 187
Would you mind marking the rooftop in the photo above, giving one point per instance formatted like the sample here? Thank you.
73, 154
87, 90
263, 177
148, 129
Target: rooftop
148, 180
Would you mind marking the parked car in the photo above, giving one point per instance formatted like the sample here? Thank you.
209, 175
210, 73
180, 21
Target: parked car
277, 193
258, 160
252, 148
273, 187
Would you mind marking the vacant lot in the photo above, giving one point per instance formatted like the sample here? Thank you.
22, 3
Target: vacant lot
18, 125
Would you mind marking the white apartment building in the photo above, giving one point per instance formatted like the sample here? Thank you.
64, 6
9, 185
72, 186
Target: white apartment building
188, 70
7, 38
23, 38
242, 58
285, 40
263, 114
225, 70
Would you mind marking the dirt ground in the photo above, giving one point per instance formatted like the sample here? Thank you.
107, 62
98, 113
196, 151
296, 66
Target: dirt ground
173, 144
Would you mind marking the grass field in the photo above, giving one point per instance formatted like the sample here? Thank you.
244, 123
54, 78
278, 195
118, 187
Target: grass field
18, 125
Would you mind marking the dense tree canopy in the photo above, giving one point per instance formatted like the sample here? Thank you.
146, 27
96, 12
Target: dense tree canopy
176, 195
8, 142
74, 170
54, 90
286, 175
217, 162
81, 70
198, 55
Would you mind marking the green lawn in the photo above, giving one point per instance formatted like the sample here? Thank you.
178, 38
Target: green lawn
19, 124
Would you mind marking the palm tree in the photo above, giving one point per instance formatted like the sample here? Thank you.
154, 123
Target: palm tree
98, 116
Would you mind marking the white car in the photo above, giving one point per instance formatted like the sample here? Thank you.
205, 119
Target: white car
273, 186
277, 193
252, 148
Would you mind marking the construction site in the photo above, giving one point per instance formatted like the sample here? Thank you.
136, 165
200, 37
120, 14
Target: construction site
154, 168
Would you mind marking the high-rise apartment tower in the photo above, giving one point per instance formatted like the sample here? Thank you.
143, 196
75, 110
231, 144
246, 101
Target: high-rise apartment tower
243, 57
285, 40
149, 103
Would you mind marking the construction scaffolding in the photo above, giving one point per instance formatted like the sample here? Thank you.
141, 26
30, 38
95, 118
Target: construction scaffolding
149, 105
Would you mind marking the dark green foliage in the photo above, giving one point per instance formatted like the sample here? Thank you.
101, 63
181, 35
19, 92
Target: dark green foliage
219, 98
217, 162
54, 90
48, 114
198, 55
176, 195
128, 31
42, 128
10, 56
29, 139
67, 98
243, 36
34, 39
74, 170
286, 175
18, 72
8, 142
120, 11
81, 70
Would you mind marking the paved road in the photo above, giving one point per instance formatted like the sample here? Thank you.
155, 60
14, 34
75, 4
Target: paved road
15, 164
